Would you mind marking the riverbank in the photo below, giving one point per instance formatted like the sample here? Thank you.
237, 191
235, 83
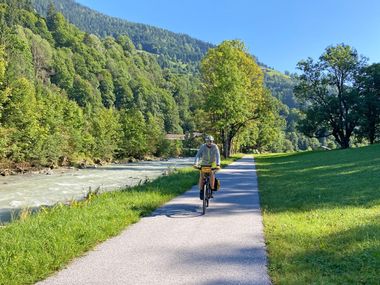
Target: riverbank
30, 190
37, 245
8, 168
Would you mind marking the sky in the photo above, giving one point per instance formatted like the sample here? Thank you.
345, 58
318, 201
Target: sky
279, 33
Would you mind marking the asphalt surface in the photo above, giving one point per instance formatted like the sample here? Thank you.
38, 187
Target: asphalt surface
178, 245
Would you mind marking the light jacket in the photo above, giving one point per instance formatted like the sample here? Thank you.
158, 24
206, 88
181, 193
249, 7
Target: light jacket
208, 155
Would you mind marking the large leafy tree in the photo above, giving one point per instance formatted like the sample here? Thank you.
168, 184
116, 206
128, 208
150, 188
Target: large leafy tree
233, 88
325, 89
368, 84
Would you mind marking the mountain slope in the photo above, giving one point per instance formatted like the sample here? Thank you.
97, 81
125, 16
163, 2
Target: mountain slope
178, 52
155, 40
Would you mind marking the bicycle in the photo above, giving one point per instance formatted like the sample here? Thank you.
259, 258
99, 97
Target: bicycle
207, 191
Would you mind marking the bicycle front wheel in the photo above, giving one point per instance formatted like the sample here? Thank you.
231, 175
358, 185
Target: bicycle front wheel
205, 200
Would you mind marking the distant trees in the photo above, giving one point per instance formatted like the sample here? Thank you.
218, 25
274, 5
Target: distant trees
340, 96
170, 46
266, 131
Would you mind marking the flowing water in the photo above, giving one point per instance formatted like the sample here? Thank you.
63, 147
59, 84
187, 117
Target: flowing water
35, 190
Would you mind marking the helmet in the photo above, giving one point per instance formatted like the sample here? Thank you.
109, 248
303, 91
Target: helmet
209, 138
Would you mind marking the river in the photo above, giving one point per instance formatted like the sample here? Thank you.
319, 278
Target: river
35, 190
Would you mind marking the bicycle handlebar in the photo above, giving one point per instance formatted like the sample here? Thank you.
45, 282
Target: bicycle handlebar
200, 167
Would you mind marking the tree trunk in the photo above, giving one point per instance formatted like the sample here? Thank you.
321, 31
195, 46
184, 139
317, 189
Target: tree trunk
371, 132
226, 148
345, 142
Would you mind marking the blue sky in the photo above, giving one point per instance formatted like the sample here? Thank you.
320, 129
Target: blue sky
279, 33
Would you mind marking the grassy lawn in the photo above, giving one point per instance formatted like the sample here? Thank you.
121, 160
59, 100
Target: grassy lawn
322, 216
37, 245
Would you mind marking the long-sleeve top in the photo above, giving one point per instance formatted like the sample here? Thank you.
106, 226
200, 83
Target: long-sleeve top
208, 155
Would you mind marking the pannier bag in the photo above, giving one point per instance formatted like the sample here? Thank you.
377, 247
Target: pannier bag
217, 184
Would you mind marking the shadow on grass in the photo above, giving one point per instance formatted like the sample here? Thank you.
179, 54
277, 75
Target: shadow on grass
347, 257
309, 180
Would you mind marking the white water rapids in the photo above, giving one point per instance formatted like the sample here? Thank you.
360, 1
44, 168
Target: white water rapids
35, 190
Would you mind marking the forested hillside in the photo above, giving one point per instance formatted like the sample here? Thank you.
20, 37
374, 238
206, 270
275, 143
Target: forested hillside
178, 52
170, 46
67, 95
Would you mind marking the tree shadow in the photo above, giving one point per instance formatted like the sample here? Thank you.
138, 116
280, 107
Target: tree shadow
347, 257
321, 183
236, 264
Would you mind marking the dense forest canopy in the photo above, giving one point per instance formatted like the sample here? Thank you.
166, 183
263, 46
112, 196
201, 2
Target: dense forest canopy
170, 46
66, 94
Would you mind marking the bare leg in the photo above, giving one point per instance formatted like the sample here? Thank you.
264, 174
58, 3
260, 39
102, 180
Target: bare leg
212, 176
200, 183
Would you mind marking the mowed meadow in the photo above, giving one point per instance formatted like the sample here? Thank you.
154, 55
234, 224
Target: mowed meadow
322, 215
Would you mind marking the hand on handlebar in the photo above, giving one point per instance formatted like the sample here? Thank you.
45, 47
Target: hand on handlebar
200, 167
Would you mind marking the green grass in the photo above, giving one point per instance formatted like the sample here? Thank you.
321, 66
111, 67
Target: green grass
37, 245
322, 216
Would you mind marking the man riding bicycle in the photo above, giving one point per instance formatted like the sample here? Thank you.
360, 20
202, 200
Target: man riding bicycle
208, 154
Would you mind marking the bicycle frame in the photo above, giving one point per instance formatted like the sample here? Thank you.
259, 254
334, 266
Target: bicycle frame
207, 192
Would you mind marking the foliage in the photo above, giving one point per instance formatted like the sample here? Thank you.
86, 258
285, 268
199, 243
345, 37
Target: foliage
281, 86
368, 85
265, 133
233, 90
20, 118
324, 88
89, 90
66, 93
170, 46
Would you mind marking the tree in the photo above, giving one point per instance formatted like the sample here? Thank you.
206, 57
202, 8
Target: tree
63, 33
267, 129
106, 131
3, 65
106, 88
134, 140
83, 93
19, 56
368, 84
63, 69
233, 87
20, 117
325, 90
42, 55
269, 123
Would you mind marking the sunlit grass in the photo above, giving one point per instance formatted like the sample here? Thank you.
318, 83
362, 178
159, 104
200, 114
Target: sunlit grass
34, 246
322, 216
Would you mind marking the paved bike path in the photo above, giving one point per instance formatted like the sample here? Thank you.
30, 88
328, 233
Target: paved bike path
177, 245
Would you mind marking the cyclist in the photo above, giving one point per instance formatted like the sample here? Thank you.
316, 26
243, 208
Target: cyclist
208, 154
